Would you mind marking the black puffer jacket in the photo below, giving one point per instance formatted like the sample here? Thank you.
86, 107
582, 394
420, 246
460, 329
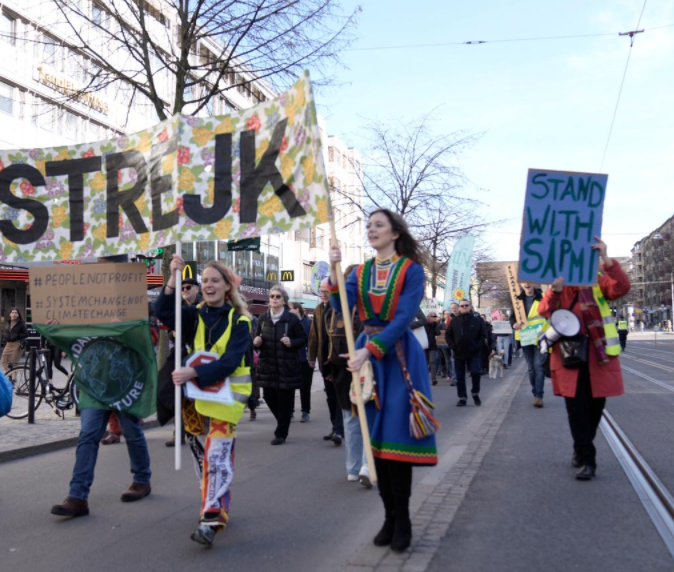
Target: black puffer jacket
466, 336
279, 366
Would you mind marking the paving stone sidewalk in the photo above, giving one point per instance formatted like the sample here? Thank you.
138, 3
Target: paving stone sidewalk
440, 502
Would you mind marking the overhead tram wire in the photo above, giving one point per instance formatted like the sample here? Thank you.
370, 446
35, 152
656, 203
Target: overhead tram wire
500, 41
631, 35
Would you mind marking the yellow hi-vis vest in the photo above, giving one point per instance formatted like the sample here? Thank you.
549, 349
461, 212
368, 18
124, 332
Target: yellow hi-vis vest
533, 319
610, 330
622, 325
240, 380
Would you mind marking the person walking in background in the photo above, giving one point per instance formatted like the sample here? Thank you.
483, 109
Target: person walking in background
466, 337
221, 326
443, 358
432, 331
15, 335
279, 338
528, 337
585, 388
503, 343
318, 352
623, 330
307, 372
488, 344
388, 290
336, 371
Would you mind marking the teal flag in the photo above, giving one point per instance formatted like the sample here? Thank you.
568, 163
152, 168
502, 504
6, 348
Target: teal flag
457, 282
115, 365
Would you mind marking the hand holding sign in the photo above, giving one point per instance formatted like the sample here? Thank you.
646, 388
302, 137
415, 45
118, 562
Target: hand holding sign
558, 285
600, 245
183, 375
177, 265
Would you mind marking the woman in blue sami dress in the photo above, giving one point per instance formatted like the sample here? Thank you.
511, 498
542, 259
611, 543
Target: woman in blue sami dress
387, 291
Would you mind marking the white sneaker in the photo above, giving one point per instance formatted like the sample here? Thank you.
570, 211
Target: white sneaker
352, 478
364, 478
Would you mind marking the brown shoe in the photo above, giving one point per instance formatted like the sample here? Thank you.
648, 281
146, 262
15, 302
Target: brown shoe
136, 492
111, 439
538, 402
71, 507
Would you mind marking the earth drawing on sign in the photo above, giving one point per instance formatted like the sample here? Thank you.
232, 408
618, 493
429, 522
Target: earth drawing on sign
107, 369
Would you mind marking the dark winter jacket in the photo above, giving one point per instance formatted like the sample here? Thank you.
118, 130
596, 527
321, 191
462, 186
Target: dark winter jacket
432, 330
16, 333
466, 336
279, 365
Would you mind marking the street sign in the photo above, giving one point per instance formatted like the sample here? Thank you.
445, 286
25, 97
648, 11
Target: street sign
272, 276
251, 244
190, 270
287, 275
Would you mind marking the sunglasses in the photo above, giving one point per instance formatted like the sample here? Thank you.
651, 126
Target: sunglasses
188, 287
275, 296
464, 306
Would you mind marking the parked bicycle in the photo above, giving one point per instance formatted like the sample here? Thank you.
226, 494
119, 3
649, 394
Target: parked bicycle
60, 399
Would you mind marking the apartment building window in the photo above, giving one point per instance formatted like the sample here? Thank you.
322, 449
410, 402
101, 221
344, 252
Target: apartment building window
331, 154
8, 28
6, 98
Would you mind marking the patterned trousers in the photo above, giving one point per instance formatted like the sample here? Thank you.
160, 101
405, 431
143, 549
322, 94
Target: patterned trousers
214, 465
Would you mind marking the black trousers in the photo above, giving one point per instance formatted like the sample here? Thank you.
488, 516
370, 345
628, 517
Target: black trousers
334, 408
474, 366
307, 374
584, 413
395, 487
281, 403
622, 335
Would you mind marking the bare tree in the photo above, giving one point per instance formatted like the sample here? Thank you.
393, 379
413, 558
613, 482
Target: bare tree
410, 170
181, 55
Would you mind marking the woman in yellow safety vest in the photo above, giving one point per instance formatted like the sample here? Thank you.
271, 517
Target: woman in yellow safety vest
220, 325
527, 334
585, 386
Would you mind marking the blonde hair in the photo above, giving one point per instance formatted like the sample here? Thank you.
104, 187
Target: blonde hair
233, 296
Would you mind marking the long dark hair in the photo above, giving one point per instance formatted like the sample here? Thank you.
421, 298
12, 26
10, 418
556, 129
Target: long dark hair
406, 244
12, 309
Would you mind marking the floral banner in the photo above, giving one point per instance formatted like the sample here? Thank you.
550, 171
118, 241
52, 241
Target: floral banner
255, 172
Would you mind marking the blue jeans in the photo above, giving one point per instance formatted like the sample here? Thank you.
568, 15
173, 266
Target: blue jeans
93, 423
356, 461
474, 365
446, 352
503, 343
535, 361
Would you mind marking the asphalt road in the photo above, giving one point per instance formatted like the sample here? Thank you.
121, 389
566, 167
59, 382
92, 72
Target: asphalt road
292, 508
525, 511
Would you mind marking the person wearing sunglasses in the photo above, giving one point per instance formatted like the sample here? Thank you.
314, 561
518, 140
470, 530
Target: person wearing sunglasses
279, 338
466, 337
388, 290
190, 292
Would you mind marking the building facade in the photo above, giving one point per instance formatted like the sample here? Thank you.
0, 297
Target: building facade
41, 77
653, 274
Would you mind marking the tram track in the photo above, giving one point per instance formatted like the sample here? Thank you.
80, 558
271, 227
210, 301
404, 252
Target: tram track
654, 496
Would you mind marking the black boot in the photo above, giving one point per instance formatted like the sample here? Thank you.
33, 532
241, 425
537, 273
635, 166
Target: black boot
402, 534
385, 535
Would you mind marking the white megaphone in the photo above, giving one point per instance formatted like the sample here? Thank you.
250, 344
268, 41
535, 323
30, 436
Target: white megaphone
563, 323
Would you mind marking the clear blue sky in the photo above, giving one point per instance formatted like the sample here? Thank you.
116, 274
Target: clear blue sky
541, 104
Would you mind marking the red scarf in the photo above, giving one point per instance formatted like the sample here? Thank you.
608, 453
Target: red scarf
594, 322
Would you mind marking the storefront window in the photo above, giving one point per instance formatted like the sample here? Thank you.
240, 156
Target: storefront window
205, 253
258, 267
224, 255
243, 265
188, 251
272, 268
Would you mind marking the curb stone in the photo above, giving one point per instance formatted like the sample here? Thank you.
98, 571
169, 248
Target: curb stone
22, 453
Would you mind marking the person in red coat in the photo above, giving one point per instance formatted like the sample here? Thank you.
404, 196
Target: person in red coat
585, 389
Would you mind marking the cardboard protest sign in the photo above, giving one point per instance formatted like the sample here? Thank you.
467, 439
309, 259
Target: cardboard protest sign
562, 214
257, 171
501, 327
89, 294
514, 287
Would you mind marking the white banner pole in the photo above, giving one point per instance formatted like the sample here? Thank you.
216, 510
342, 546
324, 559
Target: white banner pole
178, 417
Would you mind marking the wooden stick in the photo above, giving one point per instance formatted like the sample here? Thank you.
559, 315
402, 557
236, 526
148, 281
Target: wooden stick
178, 389
351, 343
